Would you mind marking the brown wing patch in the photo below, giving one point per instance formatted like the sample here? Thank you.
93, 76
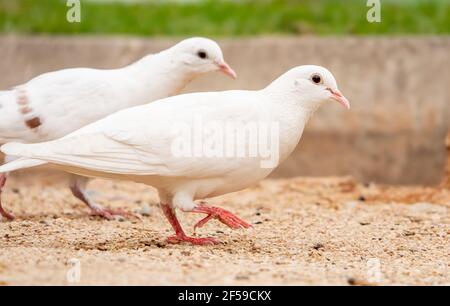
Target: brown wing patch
22, 98
33, 123
26, 110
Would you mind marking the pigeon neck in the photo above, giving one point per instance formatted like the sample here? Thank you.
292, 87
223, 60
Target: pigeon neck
160, 71
291, 113
291, 97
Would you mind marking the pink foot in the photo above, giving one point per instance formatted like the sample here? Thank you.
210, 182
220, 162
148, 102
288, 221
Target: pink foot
4, 213
195, 241
180, 236
97, 210
220, 214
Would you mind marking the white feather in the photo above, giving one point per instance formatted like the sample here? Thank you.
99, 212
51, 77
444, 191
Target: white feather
69, 99
136, 143
22, 163
55, 104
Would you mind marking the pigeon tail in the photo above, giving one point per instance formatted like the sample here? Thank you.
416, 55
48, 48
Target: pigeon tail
15, 149
19, 150
22, 163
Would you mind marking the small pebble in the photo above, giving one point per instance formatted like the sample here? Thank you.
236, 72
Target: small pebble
161, 244
120, 218
318, 246
409, 233
351, 281
145, 210
242, 277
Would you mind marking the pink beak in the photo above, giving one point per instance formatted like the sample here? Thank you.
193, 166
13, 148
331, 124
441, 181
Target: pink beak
225, 68
338, 96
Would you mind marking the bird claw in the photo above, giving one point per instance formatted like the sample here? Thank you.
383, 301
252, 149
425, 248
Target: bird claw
3, 213
2, 181
224, 216
195, 241
6, 215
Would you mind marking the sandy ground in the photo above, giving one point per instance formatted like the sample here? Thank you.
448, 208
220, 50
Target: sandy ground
306, 231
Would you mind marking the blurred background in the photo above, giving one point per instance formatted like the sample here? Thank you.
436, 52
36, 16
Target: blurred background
395, 72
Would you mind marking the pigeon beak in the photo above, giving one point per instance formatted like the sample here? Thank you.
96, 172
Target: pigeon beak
338, 96
225, 68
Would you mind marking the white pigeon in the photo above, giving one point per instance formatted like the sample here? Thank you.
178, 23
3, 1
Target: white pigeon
144, 144
57, 103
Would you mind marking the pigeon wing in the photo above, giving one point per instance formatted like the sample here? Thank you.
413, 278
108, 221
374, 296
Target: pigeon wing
140, 140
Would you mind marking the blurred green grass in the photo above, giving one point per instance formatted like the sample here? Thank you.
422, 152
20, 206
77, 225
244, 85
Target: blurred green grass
226, 18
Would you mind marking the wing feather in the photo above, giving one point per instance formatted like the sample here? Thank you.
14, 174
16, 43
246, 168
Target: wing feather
138, 141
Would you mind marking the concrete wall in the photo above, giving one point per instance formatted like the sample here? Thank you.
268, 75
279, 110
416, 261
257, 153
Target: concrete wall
399, 89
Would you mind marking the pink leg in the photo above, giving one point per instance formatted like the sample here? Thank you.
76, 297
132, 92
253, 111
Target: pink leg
97, 210
4, 213
180, 236
220, 214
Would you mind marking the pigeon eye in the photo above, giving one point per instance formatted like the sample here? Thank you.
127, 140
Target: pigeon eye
317, 79
202, 54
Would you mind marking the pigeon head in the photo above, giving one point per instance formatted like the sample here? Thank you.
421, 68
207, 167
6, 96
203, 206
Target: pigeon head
202, 55
314, 85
